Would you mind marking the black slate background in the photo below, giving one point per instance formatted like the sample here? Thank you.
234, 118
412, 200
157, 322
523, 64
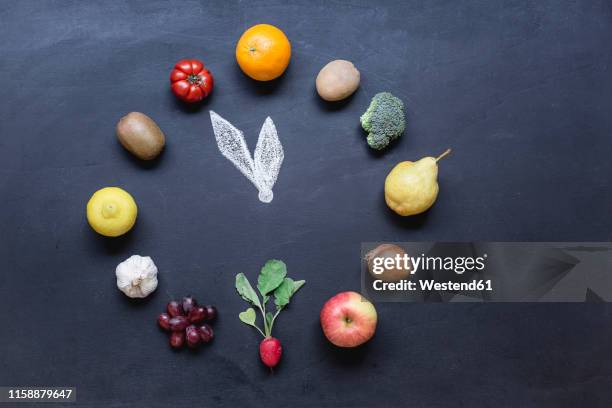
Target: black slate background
521, 90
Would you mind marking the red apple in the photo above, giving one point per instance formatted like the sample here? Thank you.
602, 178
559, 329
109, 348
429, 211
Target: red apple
348, 319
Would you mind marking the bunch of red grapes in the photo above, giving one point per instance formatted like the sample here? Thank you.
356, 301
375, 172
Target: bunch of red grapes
185, 322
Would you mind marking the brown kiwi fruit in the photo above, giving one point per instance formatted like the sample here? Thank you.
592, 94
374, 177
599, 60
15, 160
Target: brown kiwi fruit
140, 135
388, 251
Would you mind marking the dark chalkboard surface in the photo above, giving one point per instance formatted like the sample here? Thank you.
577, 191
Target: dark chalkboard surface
521, 90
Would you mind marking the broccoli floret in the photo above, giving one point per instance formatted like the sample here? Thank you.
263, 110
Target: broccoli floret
384, 120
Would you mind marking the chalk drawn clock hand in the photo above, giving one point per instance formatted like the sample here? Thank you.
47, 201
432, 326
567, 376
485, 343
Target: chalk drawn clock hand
269, 155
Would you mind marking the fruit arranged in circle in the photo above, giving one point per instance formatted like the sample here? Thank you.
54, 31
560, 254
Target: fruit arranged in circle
206, 333
263, 52
197, 314
188, 304
140, 135
383, 271
177, 339
211, 312
190, 81
193, 336
185, 322
111, 211
174, 308
164, 321
412, 187
348, 319
178, 323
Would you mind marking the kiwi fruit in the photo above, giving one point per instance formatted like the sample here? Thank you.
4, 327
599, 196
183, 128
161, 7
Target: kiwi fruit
389, 274
140, 135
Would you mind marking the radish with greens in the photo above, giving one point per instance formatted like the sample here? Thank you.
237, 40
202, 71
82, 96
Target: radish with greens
272, 282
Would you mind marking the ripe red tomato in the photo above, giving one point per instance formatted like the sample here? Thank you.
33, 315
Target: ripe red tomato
190, 81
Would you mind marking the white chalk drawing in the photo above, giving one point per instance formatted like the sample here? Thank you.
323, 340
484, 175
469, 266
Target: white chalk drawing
261, 171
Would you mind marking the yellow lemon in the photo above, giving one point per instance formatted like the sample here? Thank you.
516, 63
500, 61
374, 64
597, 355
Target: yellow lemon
111, 211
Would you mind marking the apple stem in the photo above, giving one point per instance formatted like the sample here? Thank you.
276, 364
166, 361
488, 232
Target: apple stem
443, 155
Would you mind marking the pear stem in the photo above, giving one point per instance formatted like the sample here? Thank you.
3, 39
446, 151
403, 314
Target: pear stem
443, 155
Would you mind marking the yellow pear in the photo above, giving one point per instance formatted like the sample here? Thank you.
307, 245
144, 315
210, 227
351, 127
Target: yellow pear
412, 187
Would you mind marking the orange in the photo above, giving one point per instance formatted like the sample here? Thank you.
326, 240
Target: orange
263, 52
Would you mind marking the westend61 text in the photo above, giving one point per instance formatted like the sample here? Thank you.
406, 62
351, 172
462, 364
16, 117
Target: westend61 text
429, 285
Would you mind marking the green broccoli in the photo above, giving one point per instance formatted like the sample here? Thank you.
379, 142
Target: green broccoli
384, 120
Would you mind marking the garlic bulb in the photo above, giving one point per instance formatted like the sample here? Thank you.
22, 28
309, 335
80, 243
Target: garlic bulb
137, 276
